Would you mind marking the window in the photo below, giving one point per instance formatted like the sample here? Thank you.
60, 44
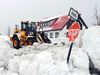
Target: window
46, 34
43, 25
46, 24
66, 34
51, 35
56, 34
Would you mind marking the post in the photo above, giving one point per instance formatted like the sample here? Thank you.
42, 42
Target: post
69, 53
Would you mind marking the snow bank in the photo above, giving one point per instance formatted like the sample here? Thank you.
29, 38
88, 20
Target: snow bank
81, 60
50, 59
43, 64
91, 44
13, 66
60, 40
4, 41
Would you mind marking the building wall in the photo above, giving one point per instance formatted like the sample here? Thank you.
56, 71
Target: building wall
63, 32
57, 33
53, 34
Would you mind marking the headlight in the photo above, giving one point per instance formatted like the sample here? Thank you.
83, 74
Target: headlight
31, 34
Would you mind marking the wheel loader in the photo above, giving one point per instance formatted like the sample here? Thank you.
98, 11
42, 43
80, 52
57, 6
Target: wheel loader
27, 35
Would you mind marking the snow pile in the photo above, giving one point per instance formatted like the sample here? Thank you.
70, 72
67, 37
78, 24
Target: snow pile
32, 60
91, 44
40, 64
13, 66
50, 59
90, 48
60, 40
39, 59
81, 60
4, 41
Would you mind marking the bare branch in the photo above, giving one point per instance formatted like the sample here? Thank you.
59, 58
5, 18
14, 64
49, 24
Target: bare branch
97, 17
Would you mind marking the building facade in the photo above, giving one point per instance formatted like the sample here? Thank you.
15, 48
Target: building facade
54, 27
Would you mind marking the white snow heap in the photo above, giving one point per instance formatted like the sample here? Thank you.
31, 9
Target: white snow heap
43, 64
13, 66
91, 44
81, 60
4, 41
45, 59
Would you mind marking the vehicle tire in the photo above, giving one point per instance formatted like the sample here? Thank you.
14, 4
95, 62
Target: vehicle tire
16, 42
30, 41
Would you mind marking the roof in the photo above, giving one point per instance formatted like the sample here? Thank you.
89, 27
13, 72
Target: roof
59, 24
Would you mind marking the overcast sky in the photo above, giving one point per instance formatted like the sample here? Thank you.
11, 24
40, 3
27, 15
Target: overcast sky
13, 11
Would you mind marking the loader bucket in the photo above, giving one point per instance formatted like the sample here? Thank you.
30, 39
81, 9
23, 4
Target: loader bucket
42, 38
45, 38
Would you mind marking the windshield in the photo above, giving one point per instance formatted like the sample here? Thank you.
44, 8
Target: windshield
32, 26
28, 26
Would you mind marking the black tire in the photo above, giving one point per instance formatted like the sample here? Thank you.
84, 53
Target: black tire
16, 42
30, 41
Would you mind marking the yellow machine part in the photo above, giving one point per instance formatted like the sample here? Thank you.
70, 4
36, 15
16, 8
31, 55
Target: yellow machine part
17, 31
11, 38
23, 37
22, 34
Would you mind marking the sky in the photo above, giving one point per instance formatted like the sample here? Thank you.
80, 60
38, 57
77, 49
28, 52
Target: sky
14, 11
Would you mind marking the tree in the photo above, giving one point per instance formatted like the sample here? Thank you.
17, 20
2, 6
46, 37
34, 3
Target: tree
97, 17
8, 30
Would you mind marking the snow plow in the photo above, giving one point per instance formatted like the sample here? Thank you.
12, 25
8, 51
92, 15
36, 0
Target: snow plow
27, 35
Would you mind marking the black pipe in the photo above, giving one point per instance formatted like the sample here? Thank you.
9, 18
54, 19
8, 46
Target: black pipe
82, 21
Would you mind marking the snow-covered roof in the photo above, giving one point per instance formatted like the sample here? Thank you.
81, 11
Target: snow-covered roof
59, 24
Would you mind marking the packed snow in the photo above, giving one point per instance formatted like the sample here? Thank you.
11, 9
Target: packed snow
51, 59
91, 45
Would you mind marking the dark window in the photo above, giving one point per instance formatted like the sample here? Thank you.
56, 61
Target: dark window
66, 34
46, 34
24, 27
33, 26
56, 34
46, 24
43, 25
51, 35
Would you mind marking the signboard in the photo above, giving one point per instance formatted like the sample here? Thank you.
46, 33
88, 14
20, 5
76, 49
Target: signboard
72, 35
73, 31
73, 14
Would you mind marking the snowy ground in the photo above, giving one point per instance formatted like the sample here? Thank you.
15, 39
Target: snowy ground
48, 59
